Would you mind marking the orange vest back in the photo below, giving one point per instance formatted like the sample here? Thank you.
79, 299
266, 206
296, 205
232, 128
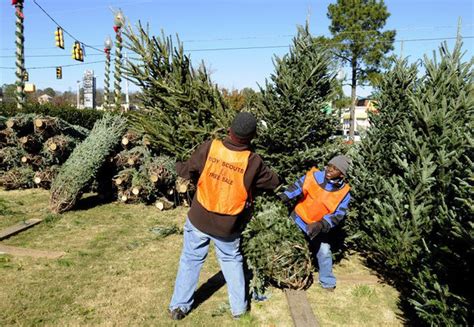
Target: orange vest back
221, 188
317, 202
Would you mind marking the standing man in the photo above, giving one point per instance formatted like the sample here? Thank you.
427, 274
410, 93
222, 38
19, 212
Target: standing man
323, 201
228, 173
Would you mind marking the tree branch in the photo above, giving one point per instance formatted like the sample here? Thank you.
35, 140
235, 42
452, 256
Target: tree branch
341, 56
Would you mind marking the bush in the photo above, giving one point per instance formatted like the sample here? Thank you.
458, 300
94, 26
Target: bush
82, 117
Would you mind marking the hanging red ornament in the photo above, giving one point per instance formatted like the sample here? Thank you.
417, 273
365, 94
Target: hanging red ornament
14, 2
116, 28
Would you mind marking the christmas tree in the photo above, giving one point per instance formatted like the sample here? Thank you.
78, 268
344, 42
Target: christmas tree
412, 186
85, 162
276, 251
295, 127
184, 107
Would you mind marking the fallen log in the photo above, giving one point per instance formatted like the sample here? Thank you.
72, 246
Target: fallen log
163, 203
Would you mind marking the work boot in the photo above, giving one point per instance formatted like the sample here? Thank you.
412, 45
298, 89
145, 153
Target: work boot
177, 314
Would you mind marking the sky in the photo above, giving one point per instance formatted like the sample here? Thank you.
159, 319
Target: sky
210, 31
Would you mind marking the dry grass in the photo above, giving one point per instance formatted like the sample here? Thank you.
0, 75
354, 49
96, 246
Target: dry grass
117, 272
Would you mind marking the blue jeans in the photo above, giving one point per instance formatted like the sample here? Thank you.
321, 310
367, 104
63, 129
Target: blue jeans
195, 249
322, 251
324, 257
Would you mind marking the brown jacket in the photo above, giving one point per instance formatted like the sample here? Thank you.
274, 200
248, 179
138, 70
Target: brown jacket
257, 176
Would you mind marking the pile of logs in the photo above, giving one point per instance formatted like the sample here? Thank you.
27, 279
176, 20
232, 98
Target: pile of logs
32, 147
143, 177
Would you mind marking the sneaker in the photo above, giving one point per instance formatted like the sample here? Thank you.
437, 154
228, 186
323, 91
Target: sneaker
330, 289
237, 317
177, 314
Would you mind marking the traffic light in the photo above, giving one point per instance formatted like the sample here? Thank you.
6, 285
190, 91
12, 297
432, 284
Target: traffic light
59, 37
59, 72
77, 52
26, 77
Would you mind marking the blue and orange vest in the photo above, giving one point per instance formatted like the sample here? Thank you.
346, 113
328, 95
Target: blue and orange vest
317, 202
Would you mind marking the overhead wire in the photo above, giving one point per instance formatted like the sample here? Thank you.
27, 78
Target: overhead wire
248, 48
65, 31
275, 36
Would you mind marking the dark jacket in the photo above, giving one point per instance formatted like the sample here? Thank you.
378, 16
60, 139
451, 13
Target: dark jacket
257, 176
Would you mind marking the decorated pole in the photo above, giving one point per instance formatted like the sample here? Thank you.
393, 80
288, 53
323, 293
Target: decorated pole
107, 47
20, 54
118, 57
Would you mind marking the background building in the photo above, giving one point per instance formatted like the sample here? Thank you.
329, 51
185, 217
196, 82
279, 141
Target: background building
362, 109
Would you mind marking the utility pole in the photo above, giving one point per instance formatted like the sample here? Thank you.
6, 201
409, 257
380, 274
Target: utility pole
20, 54
401, 49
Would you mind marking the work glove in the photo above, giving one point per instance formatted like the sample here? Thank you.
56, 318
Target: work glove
283, 198
314, 229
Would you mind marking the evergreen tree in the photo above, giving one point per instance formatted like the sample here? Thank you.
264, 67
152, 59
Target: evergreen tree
294, 127
412, 187
358, 40
184, 107
275, 250
85, 162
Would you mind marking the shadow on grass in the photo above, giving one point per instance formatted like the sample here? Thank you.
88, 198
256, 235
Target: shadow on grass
91, 201
206, 290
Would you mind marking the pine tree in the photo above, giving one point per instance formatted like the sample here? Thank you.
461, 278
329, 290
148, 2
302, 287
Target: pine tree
295, 128
184, 107
412, 187
85, 161
276, 251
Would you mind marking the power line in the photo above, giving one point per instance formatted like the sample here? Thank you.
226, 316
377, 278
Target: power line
51, 55
65, 31
69, 65
285, 46
273, 36
258, 47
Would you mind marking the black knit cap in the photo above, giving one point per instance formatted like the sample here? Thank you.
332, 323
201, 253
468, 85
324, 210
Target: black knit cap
244, 125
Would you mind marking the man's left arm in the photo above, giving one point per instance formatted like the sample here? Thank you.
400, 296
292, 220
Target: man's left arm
333, 219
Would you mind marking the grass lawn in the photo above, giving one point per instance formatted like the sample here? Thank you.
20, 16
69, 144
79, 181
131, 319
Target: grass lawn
117, 271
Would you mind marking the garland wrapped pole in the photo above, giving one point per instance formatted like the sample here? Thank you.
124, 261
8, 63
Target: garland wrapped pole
107, 47
119, 21
276, 251
85, 161
20, 54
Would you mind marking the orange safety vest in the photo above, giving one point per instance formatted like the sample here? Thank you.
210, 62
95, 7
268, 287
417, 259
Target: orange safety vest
317, 202
221, 188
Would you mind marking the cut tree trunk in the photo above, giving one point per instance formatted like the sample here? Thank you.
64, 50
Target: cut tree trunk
33, 160
30, 143
184, 185
45, 177
130, 139
47, 126
164, 204
21, 124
